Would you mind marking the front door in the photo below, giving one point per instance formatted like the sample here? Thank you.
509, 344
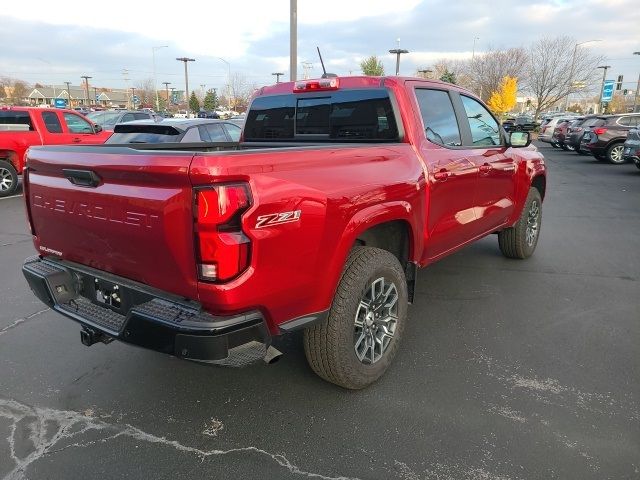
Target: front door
494, 195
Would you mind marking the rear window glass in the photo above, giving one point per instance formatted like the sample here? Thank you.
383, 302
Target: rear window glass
128, 133
15, 121
52, 122
348, 115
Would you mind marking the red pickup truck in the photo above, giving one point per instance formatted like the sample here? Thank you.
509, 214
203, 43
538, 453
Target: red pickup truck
338, 191
23, 127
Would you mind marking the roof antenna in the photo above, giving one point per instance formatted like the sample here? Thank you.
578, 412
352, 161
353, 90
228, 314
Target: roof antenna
324, 70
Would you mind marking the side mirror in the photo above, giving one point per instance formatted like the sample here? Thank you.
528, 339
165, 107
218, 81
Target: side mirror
97, 128
519, 139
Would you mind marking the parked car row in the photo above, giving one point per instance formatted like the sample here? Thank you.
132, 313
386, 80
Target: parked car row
602, 136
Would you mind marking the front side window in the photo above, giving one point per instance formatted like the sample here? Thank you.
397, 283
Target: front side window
484, 128
52, 122
75, 124
438, 116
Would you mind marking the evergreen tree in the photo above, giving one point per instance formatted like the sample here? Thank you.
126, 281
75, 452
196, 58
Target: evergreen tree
372, 66
194, 103
448, 77
211, 100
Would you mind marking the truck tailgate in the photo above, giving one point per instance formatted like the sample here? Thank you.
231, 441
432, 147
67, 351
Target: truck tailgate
117, 210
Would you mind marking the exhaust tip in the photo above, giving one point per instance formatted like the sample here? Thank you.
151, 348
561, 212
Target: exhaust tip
272, 355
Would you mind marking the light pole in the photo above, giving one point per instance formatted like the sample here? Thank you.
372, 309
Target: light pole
95, 94
571, 72
604, 77
68, 93
229, 82
166, 90
398, 51
635, 96
293, 40
86, 85
133, 97
425, 72
473, 52
155, 79
277, 75
186, 77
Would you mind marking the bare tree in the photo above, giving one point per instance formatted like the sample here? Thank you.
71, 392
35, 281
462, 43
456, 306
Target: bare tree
146, 92
237, 92
14, 91
556, 68
487, 70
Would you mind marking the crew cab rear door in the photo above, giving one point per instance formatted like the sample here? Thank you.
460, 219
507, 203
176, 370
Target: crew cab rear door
123, 211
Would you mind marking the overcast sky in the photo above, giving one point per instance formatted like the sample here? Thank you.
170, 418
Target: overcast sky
55, 42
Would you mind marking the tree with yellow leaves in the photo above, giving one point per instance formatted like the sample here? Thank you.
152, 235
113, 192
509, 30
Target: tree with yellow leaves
504, 99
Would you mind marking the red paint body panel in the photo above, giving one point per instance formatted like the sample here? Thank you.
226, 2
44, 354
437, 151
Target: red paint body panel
340, 190
14, 145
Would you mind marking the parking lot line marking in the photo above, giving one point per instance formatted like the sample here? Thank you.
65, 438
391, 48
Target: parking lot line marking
12, 196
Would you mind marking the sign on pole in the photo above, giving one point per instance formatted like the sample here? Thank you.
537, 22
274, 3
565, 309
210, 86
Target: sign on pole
607, 90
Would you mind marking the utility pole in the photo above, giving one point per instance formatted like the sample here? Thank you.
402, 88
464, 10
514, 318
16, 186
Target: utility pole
68, 93
293, 40
635, 96
398, 51
166, 89
95, 95
306, 66
125, 75
155, 79
186, 77
604, 77
425, 72
202, 85
473, 52
133, 95
228, 84
277, 75
86, 85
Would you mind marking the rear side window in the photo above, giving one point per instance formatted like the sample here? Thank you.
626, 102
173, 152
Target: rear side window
213, 132
15, 121
628, 121
337, 116
141, 116
127, 117
52, 122
233, 131
438, 116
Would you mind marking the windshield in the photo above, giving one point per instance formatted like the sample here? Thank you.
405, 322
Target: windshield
104, 118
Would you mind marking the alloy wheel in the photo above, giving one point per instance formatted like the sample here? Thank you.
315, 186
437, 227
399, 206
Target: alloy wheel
6, 180
533, 223
616, 154
375, 321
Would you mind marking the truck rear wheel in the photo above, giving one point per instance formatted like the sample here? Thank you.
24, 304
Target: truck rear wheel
8, 179
520, 240
357, 342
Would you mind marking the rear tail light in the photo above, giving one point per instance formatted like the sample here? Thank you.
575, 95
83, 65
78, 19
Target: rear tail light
316, 85
223, 250
599, 130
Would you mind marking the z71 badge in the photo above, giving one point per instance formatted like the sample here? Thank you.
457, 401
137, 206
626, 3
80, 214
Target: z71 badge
277, 218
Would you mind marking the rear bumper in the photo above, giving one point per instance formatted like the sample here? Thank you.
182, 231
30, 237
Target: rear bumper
144, 316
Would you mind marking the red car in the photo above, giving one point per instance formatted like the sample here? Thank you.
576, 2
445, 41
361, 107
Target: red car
341, 189
23, 127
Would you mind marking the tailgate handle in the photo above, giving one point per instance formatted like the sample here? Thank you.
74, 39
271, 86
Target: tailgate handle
82, 178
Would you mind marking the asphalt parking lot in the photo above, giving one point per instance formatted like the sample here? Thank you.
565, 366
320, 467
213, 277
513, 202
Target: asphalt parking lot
508, 370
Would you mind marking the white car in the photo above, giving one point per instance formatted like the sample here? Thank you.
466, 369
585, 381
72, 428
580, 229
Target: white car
181, 114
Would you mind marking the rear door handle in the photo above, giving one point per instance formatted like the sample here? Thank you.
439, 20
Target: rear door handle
486, 168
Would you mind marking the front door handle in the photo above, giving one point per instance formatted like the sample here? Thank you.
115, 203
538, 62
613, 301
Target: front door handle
442, 175
76, 140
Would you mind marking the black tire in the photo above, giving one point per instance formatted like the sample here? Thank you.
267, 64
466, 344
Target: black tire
514, 241
580, 152
330, 346
614, 154
555, 145
8, 179
564, 147
600, 158
569, 147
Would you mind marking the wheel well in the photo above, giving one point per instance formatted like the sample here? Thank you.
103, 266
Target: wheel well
540, 183
9, 156
390, 236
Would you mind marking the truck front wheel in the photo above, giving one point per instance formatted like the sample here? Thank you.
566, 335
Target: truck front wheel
356, 343
520, 240
8, 179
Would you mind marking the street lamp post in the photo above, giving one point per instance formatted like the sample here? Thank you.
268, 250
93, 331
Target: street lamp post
166, 90
398, 51
571, 72
277, 75
635, 96
473, 52
68, 93
155, 78
86, 85
293, 40
604, 77
133, 97
229, 84
186, 76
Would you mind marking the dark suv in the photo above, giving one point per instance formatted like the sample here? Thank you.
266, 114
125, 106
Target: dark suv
606, 141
